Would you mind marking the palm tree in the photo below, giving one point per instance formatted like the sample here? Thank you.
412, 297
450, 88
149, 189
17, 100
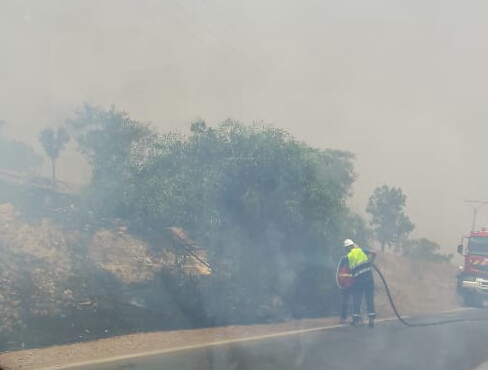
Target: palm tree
53, 143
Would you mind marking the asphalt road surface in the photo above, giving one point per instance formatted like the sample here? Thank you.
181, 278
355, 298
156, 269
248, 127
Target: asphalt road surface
390, 345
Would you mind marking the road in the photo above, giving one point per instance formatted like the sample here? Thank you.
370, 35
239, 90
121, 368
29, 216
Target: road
390, 345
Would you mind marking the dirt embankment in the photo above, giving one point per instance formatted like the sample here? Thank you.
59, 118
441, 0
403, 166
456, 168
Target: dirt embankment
75, 280
46, 263
417, 287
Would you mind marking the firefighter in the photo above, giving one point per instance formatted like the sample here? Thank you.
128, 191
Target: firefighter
360, 260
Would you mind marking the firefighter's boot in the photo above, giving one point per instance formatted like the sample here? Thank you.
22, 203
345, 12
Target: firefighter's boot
371, 322
357, 320
371, 316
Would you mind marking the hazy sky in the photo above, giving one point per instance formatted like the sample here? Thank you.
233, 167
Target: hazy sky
400, 84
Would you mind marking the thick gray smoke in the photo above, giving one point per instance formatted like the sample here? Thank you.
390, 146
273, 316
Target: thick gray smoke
400, 85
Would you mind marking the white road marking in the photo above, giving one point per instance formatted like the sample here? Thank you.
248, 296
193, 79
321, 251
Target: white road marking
221, 342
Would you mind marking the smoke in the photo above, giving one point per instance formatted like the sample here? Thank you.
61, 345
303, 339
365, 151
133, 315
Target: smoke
400, 85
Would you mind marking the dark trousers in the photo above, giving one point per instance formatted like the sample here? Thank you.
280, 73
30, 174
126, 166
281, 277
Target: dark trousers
363, 285
345, 294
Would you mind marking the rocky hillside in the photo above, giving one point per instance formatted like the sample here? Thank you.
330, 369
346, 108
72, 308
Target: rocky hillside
416, 286
92, 279
91, 282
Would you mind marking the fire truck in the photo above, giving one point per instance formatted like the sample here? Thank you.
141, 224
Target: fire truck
473, 276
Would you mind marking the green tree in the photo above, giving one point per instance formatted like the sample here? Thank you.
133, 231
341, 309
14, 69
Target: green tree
424, 249
388, 220
116, 147
53, 142
267, 206
356, 228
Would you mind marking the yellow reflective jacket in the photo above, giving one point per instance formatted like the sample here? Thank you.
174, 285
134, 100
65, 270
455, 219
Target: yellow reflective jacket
358, 261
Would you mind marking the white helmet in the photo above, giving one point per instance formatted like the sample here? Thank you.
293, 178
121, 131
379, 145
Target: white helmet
348, 243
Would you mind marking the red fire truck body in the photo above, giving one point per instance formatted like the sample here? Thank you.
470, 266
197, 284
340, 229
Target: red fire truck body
473, 276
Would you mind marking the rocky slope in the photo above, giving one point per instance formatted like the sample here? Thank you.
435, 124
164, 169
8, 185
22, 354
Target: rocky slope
417, 287
99, 281
76, 279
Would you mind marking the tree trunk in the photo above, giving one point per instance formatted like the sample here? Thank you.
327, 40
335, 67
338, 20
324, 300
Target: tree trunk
53, 166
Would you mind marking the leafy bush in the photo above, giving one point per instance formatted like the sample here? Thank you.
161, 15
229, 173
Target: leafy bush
268, 209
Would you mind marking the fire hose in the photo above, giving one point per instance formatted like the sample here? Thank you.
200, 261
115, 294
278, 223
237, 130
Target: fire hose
405, 322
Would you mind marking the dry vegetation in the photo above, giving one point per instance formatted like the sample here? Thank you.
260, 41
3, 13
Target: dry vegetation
46, 271
38, 261
417, 287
